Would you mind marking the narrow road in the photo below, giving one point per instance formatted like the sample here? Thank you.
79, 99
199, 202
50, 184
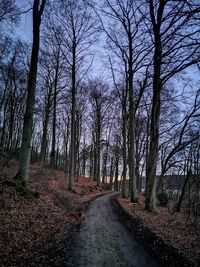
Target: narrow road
104, 242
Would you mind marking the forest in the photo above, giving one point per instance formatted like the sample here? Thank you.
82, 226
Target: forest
99, 96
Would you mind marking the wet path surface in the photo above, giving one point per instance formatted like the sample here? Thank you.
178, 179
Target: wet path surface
104, 241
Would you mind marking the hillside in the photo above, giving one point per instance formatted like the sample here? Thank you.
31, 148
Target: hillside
172, 237
43, 223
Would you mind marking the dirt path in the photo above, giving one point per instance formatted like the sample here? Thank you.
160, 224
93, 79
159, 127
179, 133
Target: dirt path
104, 241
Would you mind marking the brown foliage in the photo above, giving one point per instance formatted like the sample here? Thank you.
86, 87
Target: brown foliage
178, 229
28, 224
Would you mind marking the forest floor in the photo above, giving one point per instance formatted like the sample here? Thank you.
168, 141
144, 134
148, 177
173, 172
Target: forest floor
38, 231
173, 237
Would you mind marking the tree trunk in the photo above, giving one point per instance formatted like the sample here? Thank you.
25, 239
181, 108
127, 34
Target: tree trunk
98, 149
66, 147
44, 137
25, 153
73, 123
178, 209
84, 163
137, 164
116, 185
77, 148
3, 134
153, 149
124, 151
155, 111
53, 147
147, 156
95, 157
131, 151
111, 173
105, 159
91, 162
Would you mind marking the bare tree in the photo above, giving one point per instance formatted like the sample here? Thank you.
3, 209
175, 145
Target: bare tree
176, 47
100, 102
77, 22
12, 81
9, 12
25, 152
124, 42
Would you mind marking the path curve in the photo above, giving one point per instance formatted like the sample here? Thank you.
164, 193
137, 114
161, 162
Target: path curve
104, 242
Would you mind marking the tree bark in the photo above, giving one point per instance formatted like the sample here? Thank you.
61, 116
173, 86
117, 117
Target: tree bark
73, 123
25, 153
45, 129
155, 111
131, 160
124, 152
116, 185
53, 147
111, 173
91, 161
98, 148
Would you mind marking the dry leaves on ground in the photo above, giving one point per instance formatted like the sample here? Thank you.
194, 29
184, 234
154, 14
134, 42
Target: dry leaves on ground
26, 225
177, 228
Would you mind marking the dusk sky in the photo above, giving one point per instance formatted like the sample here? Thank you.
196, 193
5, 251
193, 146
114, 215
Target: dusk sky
24, 32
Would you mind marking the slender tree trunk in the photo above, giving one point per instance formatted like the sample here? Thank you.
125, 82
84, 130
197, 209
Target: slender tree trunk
53, 144
116, 185
66, 147
111, 173
44, 138
53, 147
147, 156
124, 151
137, 164
3, 134
84, 157
178, 209
25, 153
11, 122
57, 159
84, 164
104, 163
131, 151
73, 123
77, 148
17, 138
91, 162
98, 150
95, 162
44, 141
